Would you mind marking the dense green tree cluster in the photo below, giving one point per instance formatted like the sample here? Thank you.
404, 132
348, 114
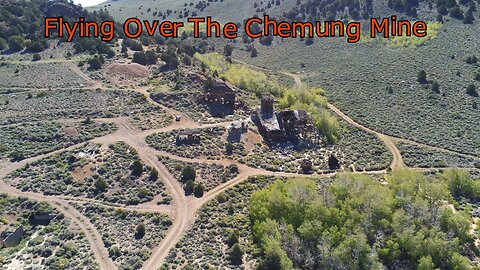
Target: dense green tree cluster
145, 58
358, 223
134, 45
170, 58
408, 7
330, 9
96, 62
16, 43
93, 45
454, 10
22, 20
462, 185
359, 9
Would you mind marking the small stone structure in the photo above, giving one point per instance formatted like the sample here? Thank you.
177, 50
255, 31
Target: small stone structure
220, 93
190, 136
266, 106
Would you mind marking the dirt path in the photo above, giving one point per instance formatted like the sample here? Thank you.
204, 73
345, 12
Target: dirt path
91, 234
397, 161
141, 208
46, 61
390, 141
76, 70
183, 208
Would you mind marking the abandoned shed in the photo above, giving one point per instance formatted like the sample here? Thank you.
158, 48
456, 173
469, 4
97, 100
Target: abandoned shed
190, 136
221, 93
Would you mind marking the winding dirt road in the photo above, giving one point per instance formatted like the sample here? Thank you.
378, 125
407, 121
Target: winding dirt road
397, 161
183, 209
389, 141
91, 233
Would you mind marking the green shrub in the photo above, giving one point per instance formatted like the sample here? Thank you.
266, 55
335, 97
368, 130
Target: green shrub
139, 58
188, 174
472, 90
41, 94
16, 43
140, 230
468, 19
170, 58
189, 187
435, 87
36, 57
137, 168
16, 156
153, 175
232, 238
422, 77
3, 44
236, 253
101, 184
471, 60
94, 63
227, 50
199, 189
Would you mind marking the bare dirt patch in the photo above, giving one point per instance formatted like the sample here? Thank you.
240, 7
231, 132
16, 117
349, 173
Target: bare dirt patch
123, 73
81, 173
70, 131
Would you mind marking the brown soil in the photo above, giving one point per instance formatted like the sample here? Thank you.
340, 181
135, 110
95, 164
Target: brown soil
70, 132
127, 71
249, 139
83, 172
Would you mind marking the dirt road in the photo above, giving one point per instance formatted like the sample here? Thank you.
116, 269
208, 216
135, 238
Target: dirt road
397, 161
91, 234
183, 208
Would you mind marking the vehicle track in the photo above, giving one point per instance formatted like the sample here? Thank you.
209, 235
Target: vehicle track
390, 141
91, 234
183, 208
